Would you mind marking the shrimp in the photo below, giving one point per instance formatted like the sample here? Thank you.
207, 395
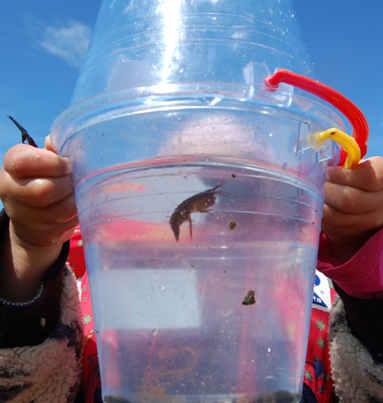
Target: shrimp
200, 203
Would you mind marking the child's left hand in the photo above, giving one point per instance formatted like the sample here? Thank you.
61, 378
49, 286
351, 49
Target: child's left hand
353, 204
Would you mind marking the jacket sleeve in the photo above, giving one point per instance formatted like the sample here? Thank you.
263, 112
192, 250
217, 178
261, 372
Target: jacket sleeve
41, 343
356, 324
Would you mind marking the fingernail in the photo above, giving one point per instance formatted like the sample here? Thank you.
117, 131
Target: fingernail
48, 143
47, 140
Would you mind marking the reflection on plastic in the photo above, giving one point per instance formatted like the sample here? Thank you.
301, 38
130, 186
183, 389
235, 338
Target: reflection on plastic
152, 299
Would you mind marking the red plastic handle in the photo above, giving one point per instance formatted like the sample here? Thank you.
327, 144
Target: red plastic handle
335, 98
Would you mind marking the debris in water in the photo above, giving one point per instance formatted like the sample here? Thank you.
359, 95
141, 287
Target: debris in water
249, 298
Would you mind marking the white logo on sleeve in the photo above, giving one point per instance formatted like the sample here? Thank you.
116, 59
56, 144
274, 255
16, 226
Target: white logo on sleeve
322, 293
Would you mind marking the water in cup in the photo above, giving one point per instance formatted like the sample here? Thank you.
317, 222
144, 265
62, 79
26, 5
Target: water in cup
170, 314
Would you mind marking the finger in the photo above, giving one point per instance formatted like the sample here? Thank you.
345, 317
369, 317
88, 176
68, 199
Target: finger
24, 161
350, 200
45, 234
39, 192
338, 224
49, 144
61, 212
368, 175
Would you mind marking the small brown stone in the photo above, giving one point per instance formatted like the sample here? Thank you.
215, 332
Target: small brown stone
249, 298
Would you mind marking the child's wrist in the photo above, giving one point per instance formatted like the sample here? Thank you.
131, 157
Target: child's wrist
341, 249
23, 267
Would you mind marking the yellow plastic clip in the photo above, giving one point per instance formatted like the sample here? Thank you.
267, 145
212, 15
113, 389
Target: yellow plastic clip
347, 142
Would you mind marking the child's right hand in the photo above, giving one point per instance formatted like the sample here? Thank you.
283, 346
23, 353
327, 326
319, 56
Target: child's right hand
37, 193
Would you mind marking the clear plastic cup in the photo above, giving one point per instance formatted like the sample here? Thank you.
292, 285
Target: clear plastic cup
200, 199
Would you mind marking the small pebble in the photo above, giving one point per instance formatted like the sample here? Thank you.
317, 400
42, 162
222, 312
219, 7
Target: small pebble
249, 298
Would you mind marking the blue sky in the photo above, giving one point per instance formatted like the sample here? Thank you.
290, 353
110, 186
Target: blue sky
43, 43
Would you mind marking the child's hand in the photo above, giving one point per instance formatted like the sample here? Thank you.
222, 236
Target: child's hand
37, 193
353, 204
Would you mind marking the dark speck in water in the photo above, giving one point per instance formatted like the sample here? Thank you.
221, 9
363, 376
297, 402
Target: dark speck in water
233, 176
232, 225
249, 298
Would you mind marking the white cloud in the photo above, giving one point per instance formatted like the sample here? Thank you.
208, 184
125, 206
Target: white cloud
68, 41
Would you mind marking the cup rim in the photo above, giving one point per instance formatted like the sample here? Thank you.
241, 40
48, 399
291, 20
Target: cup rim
286, 100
